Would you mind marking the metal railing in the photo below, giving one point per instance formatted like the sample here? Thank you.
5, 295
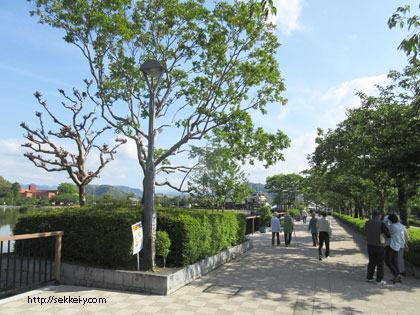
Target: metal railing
251, 225
28, 261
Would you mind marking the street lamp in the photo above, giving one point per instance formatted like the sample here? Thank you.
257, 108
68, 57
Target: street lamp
153, 69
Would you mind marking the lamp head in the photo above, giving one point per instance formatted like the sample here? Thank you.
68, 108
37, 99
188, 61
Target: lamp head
152, 67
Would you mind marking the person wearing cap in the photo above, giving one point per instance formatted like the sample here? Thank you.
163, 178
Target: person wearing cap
275, 229
376, 247
312, 228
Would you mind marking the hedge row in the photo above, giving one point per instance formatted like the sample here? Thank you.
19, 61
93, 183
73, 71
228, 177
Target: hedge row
101, 235
413, 254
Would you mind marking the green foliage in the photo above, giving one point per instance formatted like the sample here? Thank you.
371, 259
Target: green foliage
4, 182
410, 44
198, 234
163, 243
285, 187
265, 216
355, 223
66, 198
413, 254
219, 177
294, 212
67, 188
100, 235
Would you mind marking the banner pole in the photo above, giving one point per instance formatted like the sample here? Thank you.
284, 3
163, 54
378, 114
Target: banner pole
138, 262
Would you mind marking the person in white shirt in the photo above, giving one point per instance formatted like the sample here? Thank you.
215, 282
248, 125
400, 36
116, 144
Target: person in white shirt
397, 242
401, 262
324, 228
275, 229
304, 214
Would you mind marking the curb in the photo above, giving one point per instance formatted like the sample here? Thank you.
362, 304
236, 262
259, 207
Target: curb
137, 281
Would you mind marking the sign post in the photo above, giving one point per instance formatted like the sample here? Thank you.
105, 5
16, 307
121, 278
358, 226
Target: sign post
137, 230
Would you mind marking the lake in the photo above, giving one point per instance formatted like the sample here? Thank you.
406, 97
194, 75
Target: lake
8, 219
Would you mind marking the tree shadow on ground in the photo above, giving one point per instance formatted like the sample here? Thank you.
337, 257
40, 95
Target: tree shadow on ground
284, 274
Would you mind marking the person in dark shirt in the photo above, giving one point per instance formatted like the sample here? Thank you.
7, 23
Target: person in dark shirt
376, 247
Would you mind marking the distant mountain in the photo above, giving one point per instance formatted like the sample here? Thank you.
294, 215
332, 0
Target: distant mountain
100, 190
258, 187
137, 191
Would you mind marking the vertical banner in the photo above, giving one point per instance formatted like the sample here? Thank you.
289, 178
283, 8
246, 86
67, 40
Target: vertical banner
137, 230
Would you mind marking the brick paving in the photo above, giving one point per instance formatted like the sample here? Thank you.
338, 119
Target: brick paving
266, 280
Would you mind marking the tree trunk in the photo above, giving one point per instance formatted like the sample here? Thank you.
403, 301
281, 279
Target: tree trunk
82, 195
149, 218
402, 205
382, 205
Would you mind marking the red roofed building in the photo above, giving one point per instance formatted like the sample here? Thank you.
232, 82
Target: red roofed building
32, 192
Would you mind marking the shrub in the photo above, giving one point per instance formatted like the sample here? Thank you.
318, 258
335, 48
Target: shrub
163, 242
197, 234
100, 235
96, 236
265, 216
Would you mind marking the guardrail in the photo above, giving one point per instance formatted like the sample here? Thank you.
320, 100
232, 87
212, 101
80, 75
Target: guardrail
251, 225
29, 261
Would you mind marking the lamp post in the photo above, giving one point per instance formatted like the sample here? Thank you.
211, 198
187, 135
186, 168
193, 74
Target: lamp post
155, 70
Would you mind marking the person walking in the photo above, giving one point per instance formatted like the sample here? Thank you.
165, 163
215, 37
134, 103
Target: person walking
304, 214
288, 228
376, 247
401, 262
324, 228
275, 229
312, 228
397, 242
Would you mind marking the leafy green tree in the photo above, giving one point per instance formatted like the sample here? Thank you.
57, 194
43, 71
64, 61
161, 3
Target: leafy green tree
220, 65
67, 188
66, 198
285, 187
218, 178
401, 18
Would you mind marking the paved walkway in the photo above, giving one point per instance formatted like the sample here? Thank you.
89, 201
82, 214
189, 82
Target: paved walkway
266, 280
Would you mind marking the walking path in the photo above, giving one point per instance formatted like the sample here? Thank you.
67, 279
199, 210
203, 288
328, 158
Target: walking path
266, 280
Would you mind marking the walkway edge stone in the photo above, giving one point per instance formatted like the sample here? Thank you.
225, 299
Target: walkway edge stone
72, 274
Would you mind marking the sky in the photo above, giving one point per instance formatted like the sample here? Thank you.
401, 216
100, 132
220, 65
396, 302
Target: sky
329, 49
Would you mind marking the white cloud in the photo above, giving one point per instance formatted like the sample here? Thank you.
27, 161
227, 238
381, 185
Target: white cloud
337, 100
295, 159
287, 17
283, 113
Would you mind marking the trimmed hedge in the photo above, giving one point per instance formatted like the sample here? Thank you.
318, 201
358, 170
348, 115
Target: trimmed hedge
101, 235
413, 254
92, 235
198, 234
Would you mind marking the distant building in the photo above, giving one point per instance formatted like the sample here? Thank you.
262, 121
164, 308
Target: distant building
32, 192
257, 200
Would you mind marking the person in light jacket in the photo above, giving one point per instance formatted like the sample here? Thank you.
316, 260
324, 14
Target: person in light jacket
288, 228
397, 242
324, 228
401, 262
275, 229
304, 214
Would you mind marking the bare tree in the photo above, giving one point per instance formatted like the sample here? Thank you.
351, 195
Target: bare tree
48, 153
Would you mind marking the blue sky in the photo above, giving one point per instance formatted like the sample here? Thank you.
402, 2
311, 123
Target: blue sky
329, 49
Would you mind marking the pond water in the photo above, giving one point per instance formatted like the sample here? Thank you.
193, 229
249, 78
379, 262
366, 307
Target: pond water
8, 219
